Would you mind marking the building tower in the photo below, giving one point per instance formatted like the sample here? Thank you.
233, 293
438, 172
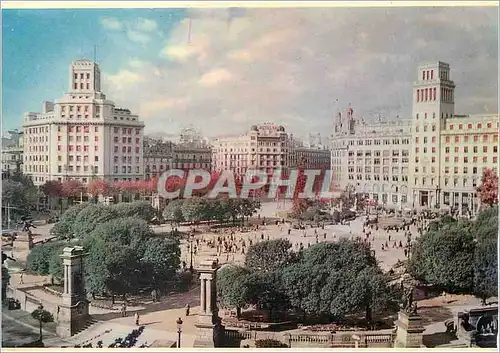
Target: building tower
433, 104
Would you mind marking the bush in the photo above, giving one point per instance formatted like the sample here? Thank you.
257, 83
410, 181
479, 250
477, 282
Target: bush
270, 343
40, 258
138, 209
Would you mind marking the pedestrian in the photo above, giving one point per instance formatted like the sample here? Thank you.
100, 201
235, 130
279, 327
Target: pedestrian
187, 309
21, 280
289, 231
136, 316
124, 310
324, 236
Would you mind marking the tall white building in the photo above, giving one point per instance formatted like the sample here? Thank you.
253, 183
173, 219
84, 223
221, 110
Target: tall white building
435, 159
83, 135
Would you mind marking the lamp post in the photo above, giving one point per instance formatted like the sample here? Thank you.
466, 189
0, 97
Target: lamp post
438, 192
179, 331
191, 238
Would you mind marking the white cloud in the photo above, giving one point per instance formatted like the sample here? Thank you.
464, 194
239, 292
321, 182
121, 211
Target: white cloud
146, 25
290, 66
111, 23
138, 37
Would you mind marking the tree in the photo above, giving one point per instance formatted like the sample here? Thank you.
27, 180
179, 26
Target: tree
112, 268
52, 189
266, 292
444, 258
43, 316
269, 256
39, 258
488, 190
72, 188
63, 229
173, 211
485, 229
331, 279
131, 232
89, 218
195, 209
98, 187
137, 209
14, 195
160, 261
232, 289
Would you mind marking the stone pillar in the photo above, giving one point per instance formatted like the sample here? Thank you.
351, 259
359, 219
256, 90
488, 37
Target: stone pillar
409, 331
460, 206
208, 319
74, 309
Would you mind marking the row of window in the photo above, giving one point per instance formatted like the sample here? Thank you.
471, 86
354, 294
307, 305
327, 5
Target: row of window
126, 169
78, 169
379, 142
376, 177
471, 126
475, 149
78, 128
376, 170
127, 149
486, 138
465, 182
82, 76
78, 148
86, 138
386, 153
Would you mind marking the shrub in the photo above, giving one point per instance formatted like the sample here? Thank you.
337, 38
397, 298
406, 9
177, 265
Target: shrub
270, 343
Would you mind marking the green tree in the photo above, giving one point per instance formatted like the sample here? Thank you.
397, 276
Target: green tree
90, 217
39, 258
249, 207
14, 195
160, 261
195, 209
112, 268
444, 258
63, 229
173, 211
232, 289
266, 292
270, 343
331, 279
269, 256
42, 316
137, 209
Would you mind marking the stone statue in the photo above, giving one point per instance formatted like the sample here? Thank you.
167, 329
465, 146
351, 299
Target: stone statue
408, 285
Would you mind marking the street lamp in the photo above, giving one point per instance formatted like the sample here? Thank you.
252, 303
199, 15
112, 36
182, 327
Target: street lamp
191, 239
179, 331
438, 192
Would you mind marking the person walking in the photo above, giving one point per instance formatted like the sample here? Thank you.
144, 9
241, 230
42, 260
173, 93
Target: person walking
187, 309
124, 310
136, 316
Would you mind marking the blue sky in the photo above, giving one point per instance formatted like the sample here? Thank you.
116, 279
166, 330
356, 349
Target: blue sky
246, 66
38, 46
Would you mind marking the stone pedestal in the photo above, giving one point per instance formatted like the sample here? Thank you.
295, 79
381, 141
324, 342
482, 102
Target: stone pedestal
409, 331
208, 317
23, 241
73, 313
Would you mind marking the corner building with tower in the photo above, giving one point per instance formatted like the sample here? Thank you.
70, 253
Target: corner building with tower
435, 159
83, 135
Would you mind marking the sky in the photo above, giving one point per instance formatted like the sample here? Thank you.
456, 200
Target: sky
222, 70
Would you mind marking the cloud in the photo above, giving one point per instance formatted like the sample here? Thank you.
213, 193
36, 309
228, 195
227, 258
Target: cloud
146, 25
111, 23
214, 77
138, 37
291, 65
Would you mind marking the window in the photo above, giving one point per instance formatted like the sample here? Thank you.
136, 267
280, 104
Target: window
460, 126
96, 138
433, 150
416, 139
485, 149
96, 129
466, 149
479, 126
488, 125
495, 138
417, 149
433, 139
474, 159
485, 138
485, 159
495, 149
433, 159
447, 159
418, 95
457, 138
476, 138
432, 76
447, 139
96, 158
96, 148
495, 159
455, 159
136, 149
456, 149
451, 126
466, 138
466, 159
58, 147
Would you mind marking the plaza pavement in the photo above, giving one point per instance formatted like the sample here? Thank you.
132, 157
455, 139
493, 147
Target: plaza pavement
160, 318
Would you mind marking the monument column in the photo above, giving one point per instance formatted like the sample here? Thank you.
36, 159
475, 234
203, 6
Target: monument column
74, 309
208, 325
